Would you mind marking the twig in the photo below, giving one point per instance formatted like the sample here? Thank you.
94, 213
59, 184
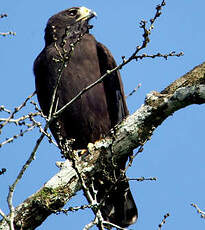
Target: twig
11, 139
74, 209
12, 187
48, 135
4, 34
17, 110
163, 221
199, 210
111, 225
90, 225
20, 121
22, 171
37, 109
134, 90
114, 225
142, 179
5, 217
3, 15
165, 56
132, 157
91, 200
2, 108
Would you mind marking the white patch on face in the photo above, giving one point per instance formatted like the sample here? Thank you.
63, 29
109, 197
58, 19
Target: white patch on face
85, 13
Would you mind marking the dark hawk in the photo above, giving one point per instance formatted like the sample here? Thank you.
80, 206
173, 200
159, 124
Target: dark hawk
69, 43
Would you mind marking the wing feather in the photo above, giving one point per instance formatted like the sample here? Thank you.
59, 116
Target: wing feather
113, 86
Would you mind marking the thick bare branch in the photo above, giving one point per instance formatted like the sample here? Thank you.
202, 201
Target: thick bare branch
128, 135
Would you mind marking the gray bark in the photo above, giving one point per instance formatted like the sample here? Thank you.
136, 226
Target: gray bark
133, 132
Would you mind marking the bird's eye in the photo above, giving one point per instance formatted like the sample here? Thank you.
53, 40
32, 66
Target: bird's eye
72, 12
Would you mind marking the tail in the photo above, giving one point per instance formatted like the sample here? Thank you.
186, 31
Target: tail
118, 206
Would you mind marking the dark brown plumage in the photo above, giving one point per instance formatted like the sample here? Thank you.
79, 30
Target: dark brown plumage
97, 111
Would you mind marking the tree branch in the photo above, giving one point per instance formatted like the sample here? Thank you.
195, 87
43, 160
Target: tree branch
126, 136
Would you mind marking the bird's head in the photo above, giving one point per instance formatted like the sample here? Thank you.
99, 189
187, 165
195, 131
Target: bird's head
75, 17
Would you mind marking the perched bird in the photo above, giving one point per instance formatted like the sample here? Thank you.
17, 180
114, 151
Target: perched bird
68, 43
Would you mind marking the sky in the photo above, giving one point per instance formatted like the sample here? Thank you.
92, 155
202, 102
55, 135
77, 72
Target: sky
175, 153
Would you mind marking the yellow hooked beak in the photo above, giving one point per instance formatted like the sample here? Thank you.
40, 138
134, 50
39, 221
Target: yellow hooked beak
86, 14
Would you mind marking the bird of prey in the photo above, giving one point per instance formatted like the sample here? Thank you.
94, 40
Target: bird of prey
69, 43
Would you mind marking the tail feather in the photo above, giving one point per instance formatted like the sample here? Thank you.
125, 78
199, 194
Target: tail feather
119, 207
117, 204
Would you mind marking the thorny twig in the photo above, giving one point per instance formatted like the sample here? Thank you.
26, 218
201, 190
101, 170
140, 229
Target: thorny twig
11, 139
74, 209
142, 179
21, 120
39, 125
163, 221
165, 56
199, 210
38, 109
16, 110
30, 126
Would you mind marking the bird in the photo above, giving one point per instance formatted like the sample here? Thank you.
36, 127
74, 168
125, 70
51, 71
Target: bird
71, 60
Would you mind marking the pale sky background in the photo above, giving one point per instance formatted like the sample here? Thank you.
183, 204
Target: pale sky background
175, 154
